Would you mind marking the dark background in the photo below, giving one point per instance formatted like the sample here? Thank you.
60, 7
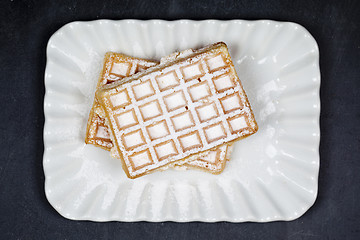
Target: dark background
25, 28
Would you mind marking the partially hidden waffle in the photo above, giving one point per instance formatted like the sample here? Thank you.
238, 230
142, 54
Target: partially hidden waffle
116, 67
177, 111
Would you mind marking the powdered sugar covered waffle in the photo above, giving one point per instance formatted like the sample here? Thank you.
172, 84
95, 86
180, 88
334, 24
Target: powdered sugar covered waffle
177, 110
214, 161
116, 67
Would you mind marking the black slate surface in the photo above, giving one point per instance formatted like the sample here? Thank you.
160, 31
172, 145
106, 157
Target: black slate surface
25, 27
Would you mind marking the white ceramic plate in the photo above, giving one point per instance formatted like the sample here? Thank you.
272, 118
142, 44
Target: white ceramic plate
272, 175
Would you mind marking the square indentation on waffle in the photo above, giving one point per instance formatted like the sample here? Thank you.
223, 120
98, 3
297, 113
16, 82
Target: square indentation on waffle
158, 130
126, 119
143, 90
150, 110
215, 63
120, 99
238, 123
215, 132
207, 112
140, 159
190, 141
223, 82
199, 91
192, 71
175, 101
182, 121
231, 103
133, 139
167, 80
212, 157
102, 133
165, 150
120, 69
140, 68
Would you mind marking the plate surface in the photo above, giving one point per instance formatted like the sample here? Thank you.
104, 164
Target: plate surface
272, 175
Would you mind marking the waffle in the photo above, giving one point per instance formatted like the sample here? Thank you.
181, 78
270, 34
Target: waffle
116, 67
177, 111
98, 133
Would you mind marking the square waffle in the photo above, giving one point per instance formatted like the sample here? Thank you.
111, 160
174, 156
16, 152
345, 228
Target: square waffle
204, 79
97, 130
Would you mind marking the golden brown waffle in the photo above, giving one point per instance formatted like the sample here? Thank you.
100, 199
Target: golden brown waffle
177, 111
213, 162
